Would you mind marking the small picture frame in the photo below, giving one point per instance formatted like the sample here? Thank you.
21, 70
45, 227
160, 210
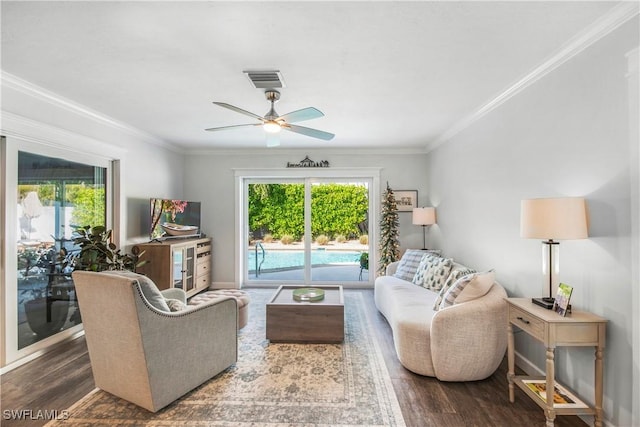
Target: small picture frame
563, 296
406, 200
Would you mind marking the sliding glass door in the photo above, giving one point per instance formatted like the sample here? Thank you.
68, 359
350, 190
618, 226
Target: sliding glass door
53, 195
308, 230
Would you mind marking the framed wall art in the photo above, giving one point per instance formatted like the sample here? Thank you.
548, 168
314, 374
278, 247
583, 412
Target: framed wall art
406, 200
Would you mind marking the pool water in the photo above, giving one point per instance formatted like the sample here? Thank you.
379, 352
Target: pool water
283, 259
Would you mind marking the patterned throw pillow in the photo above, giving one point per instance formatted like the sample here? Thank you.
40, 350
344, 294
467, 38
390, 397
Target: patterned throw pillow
458, 287
437, 273
453, 278
423, 267
409, 264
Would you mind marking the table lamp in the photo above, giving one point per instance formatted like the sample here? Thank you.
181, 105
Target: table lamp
552, 219
424, 217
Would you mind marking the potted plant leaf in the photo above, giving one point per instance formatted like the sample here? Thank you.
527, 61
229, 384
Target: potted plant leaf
97, 253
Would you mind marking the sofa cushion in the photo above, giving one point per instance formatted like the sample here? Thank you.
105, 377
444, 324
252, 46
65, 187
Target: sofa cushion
423, 268
478, 287
435, 274
479, 281
149, 289
409, 264
456, 273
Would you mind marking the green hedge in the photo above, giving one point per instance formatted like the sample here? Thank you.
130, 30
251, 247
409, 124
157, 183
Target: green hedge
278, 209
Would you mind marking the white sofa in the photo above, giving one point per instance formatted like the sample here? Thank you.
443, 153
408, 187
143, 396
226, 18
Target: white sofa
462, 342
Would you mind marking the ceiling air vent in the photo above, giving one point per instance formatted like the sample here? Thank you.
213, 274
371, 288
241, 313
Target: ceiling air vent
271, 79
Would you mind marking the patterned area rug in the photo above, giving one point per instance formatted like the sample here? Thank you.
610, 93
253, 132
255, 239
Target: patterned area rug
274, 384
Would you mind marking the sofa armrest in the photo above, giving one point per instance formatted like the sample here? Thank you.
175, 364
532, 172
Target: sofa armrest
469, 340
175, 293
391, 268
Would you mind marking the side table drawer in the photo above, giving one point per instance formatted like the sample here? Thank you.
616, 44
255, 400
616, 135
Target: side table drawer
525, 321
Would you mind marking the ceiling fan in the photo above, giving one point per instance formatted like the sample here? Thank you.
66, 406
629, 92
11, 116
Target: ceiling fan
272, 123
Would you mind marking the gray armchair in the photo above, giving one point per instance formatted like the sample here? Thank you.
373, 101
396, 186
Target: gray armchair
142, 352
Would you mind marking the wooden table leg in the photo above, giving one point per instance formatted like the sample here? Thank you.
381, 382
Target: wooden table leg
549, 412
598, 385
510, 362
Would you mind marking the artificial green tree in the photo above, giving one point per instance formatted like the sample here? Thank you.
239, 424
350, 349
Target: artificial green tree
389, 244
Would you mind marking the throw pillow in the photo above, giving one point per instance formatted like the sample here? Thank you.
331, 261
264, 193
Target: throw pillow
149, 289
409, 264
175, 304
453, 278
437, 273
423, 267
457, 288
477, 288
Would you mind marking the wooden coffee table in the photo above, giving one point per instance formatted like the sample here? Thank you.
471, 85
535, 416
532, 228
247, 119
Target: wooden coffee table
322, 321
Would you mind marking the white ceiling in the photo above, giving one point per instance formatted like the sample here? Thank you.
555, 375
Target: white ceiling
397, 74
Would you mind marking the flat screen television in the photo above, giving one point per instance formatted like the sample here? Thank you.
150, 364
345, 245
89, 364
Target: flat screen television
174, 218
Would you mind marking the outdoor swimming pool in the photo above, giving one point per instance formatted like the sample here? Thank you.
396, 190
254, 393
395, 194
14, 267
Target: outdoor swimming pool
283, 259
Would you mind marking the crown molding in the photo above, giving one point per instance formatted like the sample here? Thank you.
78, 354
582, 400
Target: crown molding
360, 152
600, 28
10, 81
14, 125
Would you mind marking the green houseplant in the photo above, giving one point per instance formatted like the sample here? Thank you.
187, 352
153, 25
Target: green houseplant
99, 253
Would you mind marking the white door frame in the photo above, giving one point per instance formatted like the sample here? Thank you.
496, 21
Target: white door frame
304, 173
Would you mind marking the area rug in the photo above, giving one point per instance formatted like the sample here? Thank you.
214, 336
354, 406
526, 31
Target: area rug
274, 384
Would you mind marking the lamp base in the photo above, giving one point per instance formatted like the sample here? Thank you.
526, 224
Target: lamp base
544, 302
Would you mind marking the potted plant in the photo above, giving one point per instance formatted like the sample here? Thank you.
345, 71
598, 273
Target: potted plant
98, 252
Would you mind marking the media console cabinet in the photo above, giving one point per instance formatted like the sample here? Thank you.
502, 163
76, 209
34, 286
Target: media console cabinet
177, 263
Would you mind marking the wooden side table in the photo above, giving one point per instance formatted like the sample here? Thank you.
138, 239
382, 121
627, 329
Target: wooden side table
578, 328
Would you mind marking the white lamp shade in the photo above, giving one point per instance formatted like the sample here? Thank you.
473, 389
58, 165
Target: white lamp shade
556, 218
424, 216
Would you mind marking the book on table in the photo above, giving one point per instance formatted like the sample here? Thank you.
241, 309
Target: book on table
562, 398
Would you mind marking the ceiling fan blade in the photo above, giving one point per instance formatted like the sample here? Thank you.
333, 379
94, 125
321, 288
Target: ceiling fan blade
300, 115
314, 133
239, 110
273, 139
232, 126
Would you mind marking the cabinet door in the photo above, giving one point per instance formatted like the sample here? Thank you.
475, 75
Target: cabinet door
189, 268
178, 274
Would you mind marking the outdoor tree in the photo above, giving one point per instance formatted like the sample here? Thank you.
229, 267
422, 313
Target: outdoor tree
389, 244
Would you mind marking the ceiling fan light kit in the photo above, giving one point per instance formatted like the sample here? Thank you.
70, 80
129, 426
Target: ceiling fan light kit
272, 123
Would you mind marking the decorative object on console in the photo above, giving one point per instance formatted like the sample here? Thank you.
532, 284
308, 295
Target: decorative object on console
561, 304
173, 218
552, 219
424, 217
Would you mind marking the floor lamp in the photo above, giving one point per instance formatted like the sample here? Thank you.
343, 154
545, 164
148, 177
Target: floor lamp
551, 220
424, 217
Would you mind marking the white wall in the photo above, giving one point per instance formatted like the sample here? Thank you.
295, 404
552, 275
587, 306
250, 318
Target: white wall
566, 135
209, 178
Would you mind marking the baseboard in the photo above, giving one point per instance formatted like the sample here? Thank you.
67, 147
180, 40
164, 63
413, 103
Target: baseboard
16, 364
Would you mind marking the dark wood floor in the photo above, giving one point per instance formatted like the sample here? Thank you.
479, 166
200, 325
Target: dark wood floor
61, 377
